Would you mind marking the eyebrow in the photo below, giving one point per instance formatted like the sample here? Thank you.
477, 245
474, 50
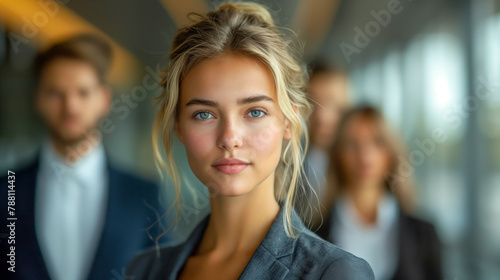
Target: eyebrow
198, 101
254, 99
242, 101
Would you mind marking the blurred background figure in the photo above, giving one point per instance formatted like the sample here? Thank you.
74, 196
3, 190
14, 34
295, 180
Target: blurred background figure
328, 93
370, 212
432, 67
78, 216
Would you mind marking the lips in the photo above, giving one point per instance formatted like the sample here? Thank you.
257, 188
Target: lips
230, 166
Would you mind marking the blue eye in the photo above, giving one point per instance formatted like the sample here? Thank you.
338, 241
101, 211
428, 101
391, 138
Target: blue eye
256, 113
203, 115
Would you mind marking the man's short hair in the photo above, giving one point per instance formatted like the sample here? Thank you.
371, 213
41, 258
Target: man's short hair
87, 47
321, 66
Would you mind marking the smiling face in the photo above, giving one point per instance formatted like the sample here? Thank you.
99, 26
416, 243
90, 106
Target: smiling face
231, 124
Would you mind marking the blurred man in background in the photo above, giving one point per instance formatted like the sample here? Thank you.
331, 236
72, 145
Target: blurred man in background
77, 216
328, 92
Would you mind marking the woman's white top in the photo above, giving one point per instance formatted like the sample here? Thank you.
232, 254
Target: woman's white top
376, 243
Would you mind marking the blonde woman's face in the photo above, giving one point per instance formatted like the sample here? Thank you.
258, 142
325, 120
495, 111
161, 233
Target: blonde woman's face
231, 124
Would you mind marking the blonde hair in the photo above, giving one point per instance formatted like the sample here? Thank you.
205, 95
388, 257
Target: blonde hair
247, 29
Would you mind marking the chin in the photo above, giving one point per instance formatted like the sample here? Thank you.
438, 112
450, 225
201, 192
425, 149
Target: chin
229, 189
72, 138
76, 142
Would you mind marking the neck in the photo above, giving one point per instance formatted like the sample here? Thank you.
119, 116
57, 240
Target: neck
366, 198
322, 148
239, 224
72, 151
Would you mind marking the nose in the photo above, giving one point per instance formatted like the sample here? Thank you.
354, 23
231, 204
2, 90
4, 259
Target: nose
229, 136
70, 103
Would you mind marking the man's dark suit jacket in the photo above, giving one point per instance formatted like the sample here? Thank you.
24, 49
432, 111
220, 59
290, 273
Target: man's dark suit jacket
278, 257
131, 208
419, 248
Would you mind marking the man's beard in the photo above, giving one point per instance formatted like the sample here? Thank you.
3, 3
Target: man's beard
74, 146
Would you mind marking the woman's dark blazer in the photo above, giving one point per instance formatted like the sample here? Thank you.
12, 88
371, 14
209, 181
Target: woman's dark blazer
419, 248
277, 257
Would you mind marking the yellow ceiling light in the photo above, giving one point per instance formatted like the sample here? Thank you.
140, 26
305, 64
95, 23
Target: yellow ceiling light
45, 22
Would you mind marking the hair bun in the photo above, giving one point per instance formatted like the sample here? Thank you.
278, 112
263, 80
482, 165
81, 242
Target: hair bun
253, 9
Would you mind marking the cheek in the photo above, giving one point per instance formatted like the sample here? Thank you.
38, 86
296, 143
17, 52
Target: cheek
96, 103
383, 162
100, 103
266, 141
198, 143
50, 109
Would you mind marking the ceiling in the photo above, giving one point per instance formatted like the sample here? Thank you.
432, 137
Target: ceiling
145, 28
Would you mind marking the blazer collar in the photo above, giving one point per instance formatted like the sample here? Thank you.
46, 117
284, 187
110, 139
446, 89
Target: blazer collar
268, 261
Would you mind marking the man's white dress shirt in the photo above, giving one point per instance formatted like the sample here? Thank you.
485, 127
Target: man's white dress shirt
70, 207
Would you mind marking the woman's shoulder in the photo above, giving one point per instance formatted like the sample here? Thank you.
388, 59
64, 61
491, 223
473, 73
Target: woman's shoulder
413, 222
158, 261
417, 229
323, 260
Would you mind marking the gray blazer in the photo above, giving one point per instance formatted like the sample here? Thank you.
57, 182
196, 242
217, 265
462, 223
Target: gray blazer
277, 257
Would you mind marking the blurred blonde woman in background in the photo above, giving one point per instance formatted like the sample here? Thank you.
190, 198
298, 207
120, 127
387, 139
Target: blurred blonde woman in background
369, 201
233, 95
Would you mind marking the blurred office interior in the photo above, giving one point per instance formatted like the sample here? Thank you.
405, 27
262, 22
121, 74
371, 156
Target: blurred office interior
431, 66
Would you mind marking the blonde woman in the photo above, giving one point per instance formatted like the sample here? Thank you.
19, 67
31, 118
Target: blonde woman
233, 95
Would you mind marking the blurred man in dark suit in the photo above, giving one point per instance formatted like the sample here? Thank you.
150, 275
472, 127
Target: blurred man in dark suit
328, 89
328, 92
77, 216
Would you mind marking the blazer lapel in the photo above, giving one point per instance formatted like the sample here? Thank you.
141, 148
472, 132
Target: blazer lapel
102, 256
124, 231
172, 267
264, 266
272, 258
29, 254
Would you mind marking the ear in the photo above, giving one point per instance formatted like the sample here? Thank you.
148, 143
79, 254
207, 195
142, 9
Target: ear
107, 93
287, 135
178, 132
